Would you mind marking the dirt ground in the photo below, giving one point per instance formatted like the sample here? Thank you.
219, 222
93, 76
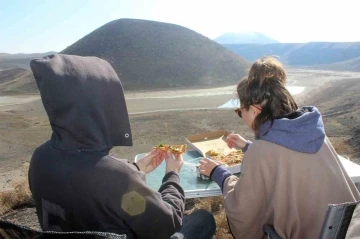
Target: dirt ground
165, 116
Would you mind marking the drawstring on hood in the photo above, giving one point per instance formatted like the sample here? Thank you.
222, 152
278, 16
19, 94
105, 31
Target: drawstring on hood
301, 130
85, 102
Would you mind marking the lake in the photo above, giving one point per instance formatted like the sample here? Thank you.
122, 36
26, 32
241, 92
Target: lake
235, 103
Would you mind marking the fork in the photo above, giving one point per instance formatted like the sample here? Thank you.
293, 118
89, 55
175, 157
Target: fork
223, 150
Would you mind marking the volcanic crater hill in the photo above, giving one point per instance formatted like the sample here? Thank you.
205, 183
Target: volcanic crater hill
154, 55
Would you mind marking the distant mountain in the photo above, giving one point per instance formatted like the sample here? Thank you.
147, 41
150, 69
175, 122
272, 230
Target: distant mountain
244, 38
17, 81
315, 53
349, 65
251, 52
7, 76
9, 61
302, 54
25, 55
154, 55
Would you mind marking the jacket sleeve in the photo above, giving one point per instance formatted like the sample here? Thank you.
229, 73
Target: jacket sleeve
148, 213
173, 194
247, 145
245, 197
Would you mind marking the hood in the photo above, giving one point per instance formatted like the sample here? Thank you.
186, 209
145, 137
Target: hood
301, 130
84, 100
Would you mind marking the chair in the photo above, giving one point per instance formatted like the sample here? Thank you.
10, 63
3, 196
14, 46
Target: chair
270, 232
11, 230
341, 220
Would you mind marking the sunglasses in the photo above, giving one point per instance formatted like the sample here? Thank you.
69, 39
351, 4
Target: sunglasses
238, 110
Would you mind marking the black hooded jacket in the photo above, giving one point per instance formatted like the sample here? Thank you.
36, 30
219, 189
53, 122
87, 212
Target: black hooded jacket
76, 185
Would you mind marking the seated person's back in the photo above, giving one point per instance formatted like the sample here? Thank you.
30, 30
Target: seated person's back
76, 185
290, 173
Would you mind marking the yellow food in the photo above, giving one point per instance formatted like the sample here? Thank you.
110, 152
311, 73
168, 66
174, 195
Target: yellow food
230, 159
162, 146
178, 148
212, 152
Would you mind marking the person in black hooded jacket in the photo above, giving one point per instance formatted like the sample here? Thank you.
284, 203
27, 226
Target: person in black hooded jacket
76, 184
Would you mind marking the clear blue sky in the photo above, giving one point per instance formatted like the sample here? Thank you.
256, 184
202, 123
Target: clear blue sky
28, 26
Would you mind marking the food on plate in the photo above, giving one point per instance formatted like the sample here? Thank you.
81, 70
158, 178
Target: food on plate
178, 149
230, 159
212, 152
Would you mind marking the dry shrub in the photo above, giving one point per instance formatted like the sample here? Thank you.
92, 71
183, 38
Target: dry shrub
341, 146
222, 228
212, 204
216, 206
18, 197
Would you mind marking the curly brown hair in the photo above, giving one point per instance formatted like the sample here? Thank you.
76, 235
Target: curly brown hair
265, 86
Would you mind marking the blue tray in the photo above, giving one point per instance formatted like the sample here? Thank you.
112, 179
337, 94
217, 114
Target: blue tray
192, 185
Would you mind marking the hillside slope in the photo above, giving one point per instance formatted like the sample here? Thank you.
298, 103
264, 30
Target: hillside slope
349, 65
150, 55
17, 81
339, 103
9, 61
